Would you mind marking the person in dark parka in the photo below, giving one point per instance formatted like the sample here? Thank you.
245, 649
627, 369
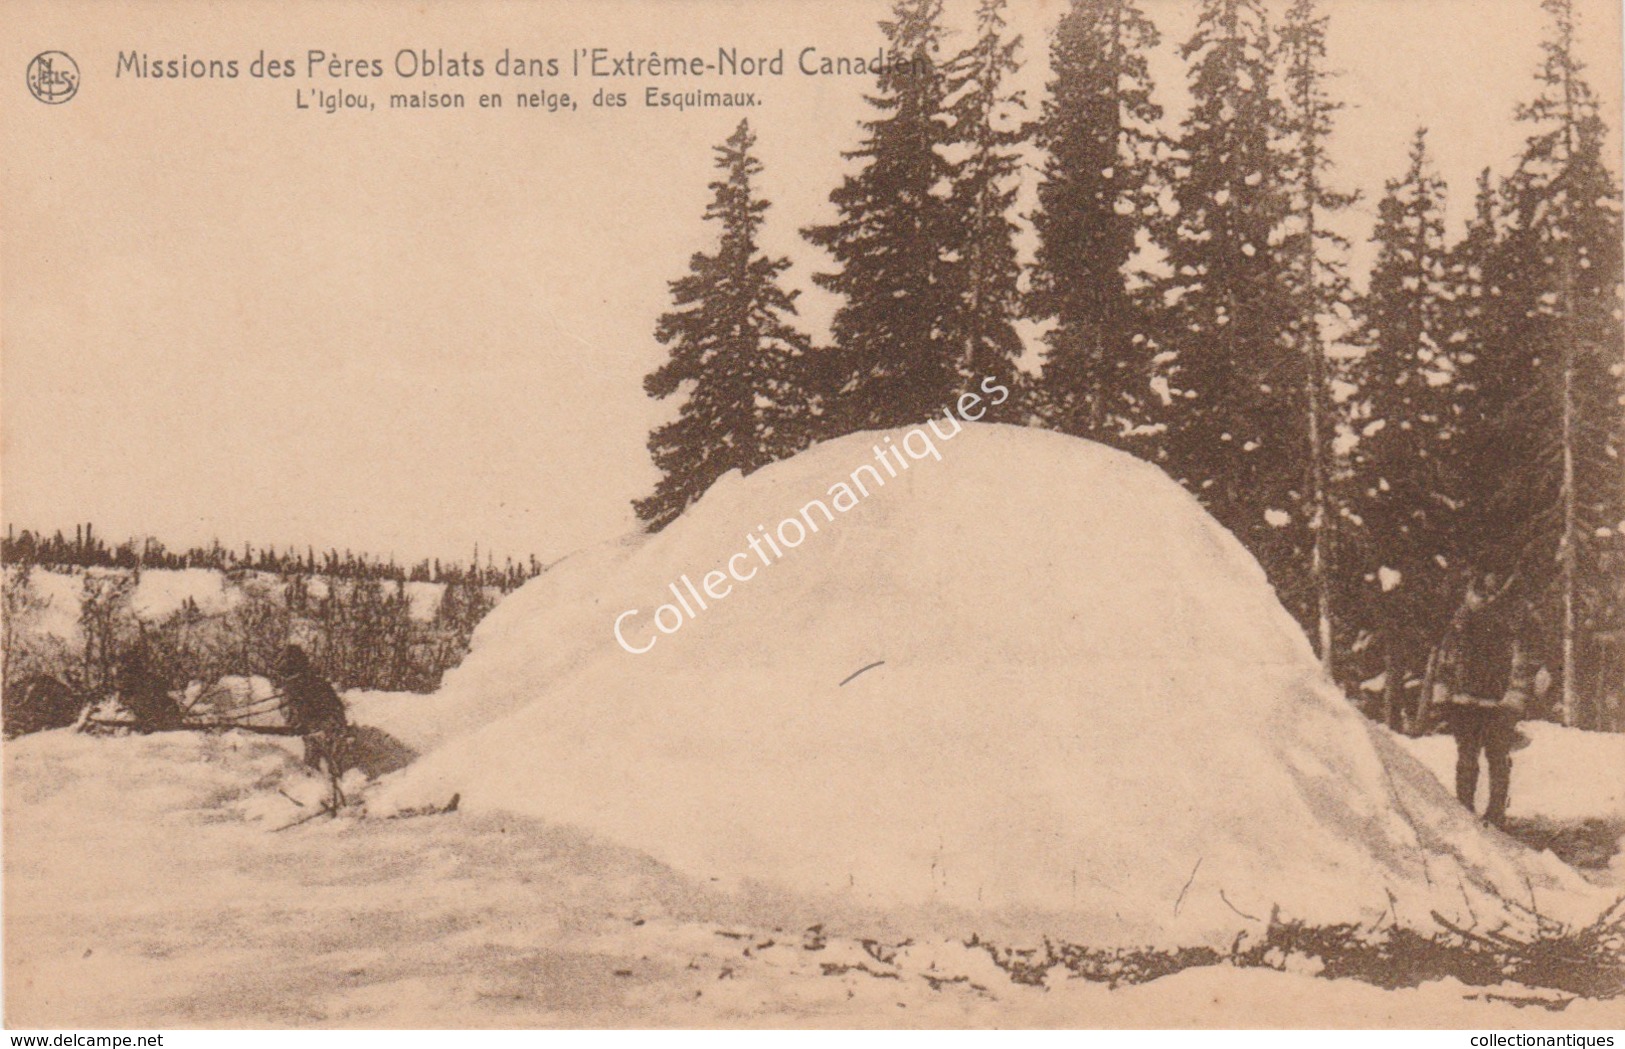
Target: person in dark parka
142, 694
314, 711
1486, 693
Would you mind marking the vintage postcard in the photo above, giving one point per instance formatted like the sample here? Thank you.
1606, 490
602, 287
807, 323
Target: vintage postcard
862, 514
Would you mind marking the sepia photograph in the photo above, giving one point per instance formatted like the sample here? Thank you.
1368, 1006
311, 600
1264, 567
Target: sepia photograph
900, 515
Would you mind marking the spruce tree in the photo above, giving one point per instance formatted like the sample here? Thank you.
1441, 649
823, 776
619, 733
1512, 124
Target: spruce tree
1317, 257
1404, 467
1097, 192
895, 358
985, 270
1237, 422
733, 350
1549, 464
1480, 318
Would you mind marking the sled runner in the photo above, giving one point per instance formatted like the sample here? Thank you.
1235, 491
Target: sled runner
242, 716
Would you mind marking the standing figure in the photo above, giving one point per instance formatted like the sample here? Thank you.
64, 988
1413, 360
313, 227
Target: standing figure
143, 695
1484, 692
315, 712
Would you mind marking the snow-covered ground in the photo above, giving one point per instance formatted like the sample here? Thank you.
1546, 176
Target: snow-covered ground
146, 886
163, 592
1568, 793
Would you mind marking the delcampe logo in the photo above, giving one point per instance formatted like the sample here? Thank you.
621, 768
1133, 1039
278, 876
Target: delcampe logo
53, 77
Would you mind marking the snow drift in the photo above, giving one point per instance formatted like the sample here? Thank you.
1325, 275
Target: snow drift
1091, 719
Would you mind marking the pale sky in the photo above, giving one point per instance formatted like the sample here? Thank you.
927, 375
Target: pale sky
410, 333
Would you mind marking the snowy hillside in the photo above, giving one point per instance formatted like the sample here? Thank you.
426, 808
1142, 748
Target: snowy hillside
1084, 714
161, 593
197, 624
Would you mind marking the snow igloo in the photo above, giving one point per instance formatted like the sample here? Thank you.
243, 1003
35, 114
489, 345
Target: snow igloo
1015, 680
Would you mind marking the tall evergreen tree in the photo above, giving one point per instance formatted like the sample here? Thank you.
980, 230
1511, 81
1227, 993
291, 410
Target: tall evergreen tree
732, 347
1475, 281
1549, 388
1098, 191
1404, 467
1318, 265
895, 358
985, 178
1480, 317
1237, 422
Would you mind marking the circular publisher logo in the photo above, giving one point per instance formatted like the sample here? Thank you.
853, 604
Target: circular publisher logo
53, 77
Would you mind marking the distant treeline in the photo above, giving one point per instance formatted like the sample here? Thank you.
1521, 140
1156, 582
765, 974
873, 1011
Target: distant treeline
87, 549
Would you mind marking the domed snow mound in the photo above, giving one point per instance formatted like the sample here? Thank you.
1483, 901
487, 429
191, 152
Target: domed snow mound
1085, 715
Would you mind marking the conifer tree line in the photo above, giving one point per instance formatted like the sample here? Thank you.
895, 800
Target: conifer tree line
87, 549
1372, 448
